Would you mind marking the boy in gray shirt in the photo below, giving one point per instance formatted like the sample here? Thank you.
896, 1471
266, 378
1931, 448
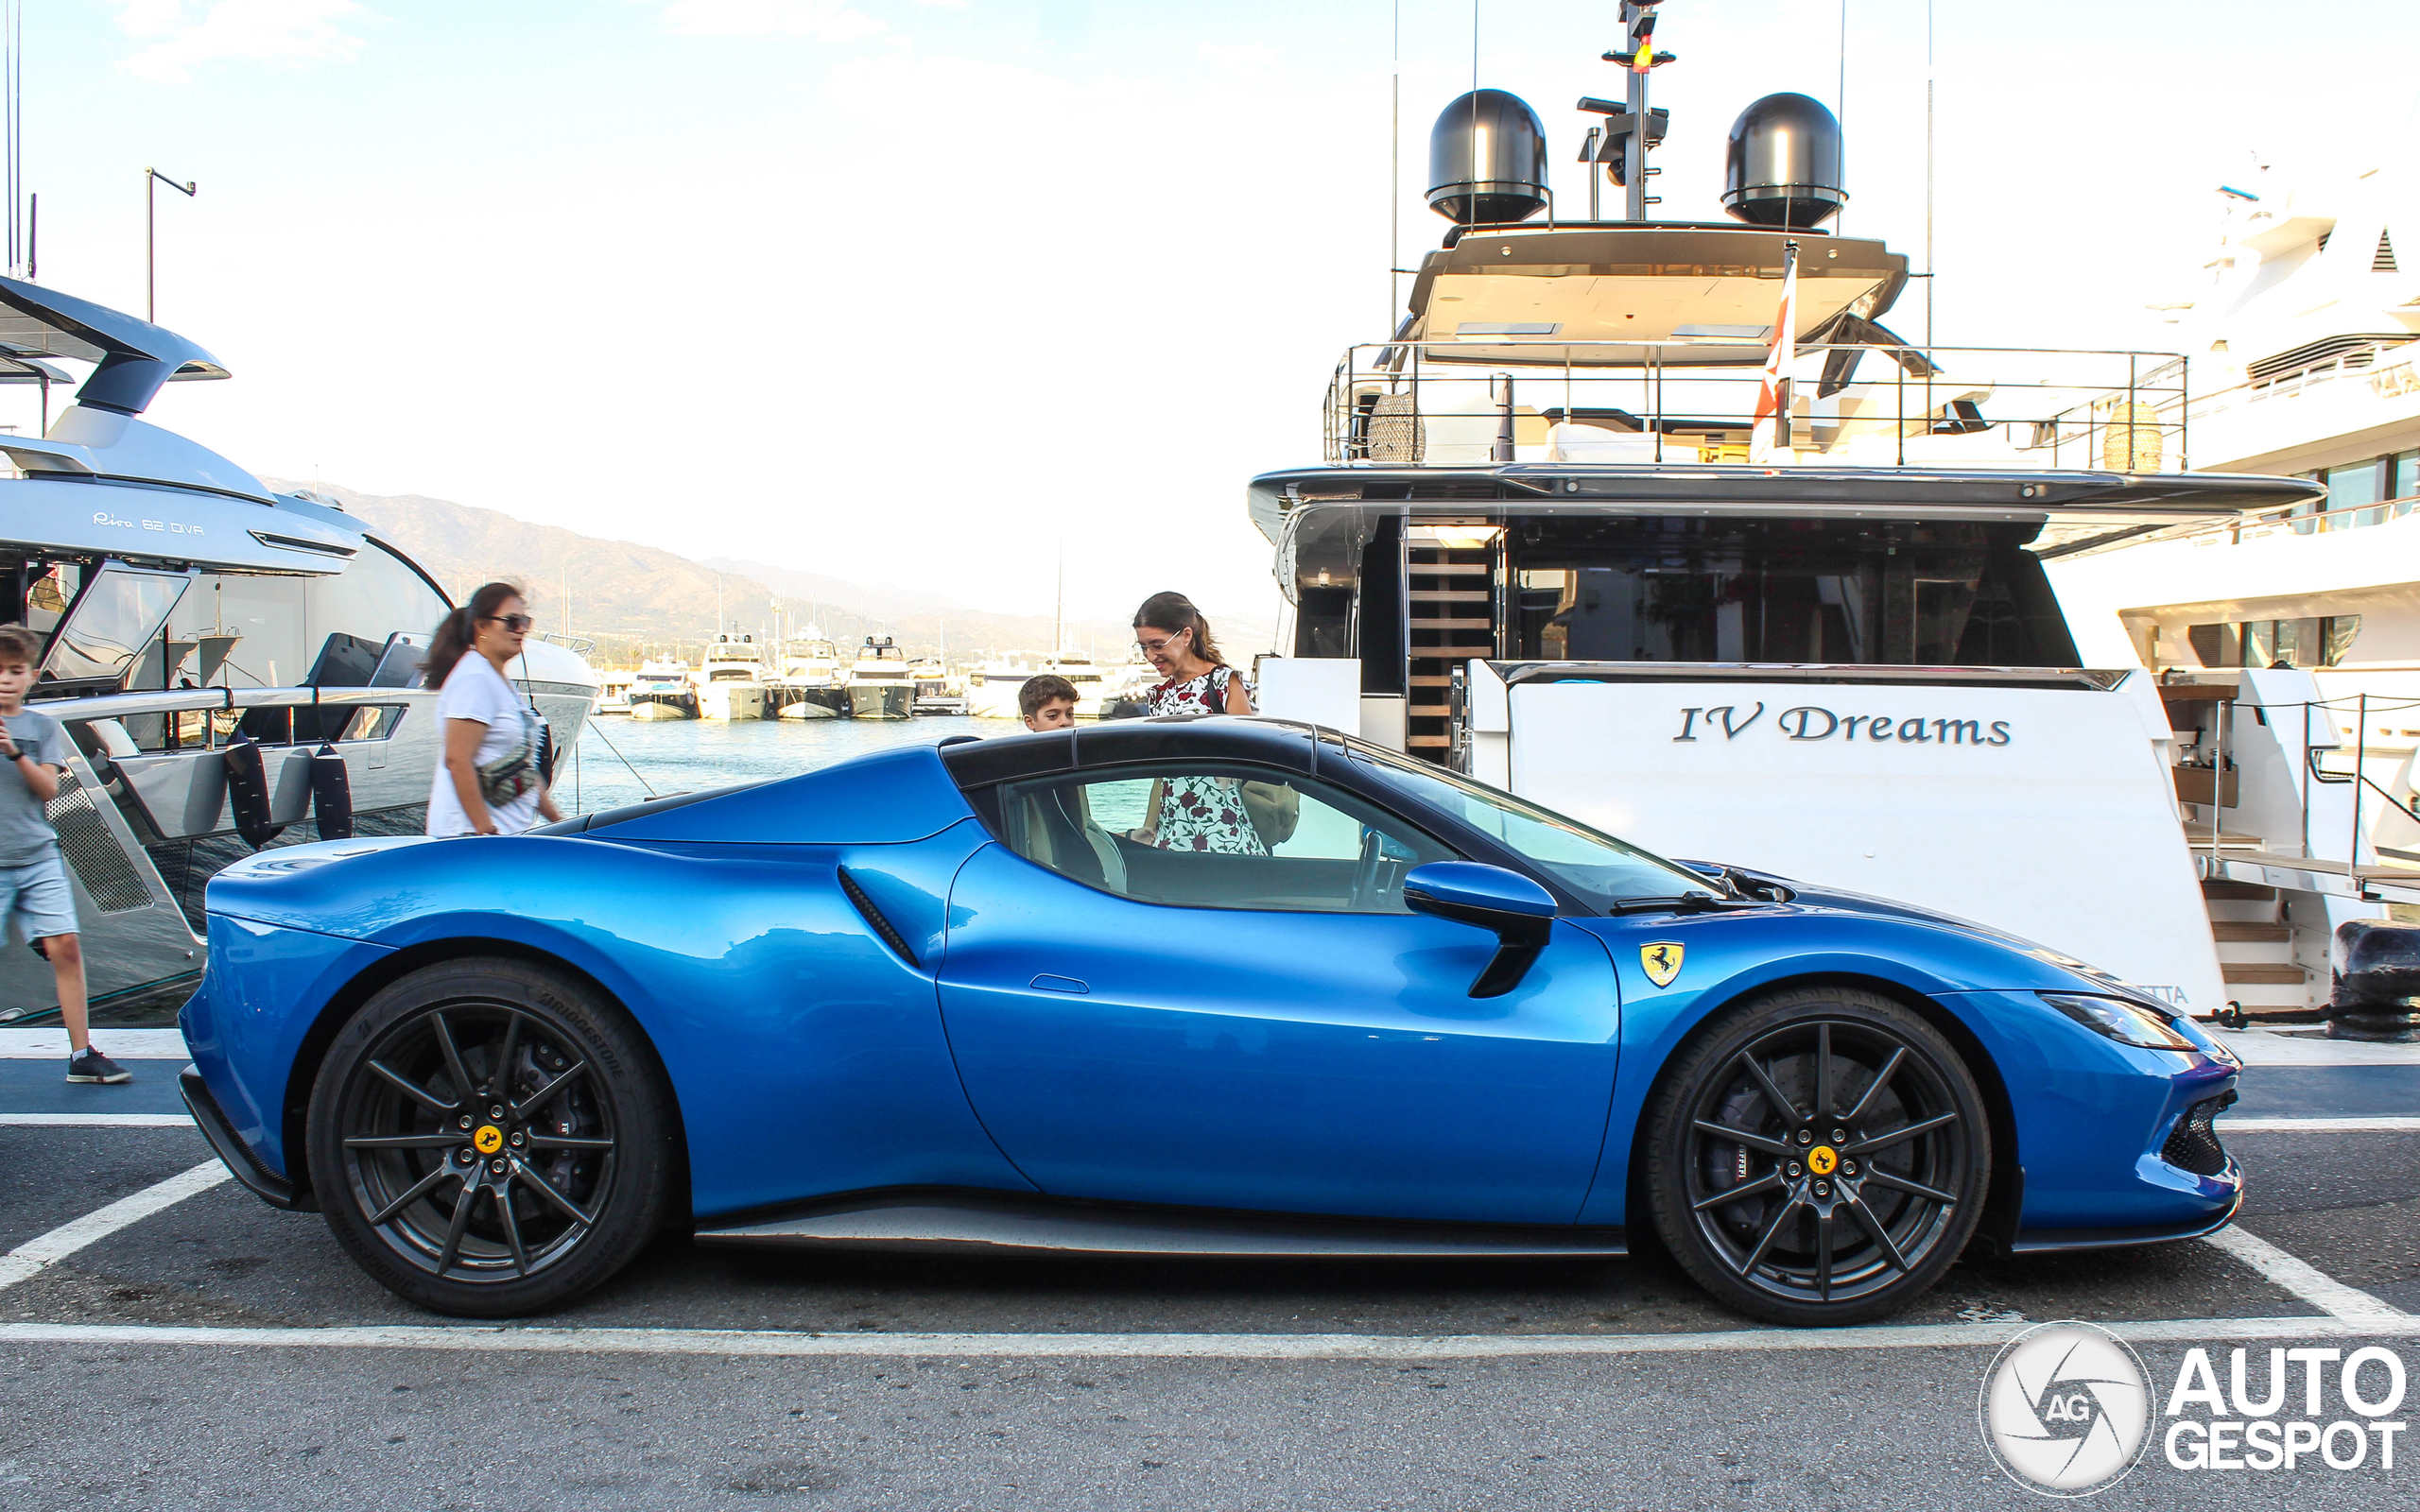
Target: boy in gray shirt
33, 876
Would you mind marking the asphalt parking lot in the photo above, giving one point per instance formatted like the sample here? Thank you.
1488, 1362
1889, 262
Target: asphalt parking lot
197, 1348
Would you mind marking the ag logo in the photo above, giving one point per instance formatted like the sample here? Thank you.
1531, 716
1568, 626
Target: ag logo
1661, 961
2064, 1409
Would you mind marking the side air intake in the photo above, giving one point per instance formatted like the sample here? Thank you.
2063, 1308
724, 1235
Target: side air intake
873, 918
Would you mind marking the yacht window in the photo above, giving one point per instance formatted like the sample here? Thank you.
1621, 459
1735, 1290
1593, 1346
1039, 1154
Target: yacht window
2324, 641
255, 625
113, 621
48, 596
377, 595
2405, 487
1650, 588
2353, 490
275, 632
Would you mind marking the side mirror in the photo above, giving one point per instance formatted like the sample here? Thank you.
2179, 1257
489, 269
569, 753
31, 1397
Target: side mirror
1516, 910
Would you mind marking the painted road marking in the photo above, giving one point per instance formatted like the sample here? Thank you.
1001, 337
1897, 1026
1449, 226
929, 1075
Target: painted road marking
2319, 1125
774, 1344
96, 1121
2303, 1280
37, 1254
118, 1044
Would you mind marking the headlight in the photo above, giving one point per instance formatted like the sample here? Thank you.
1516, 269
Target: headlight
2126, 1021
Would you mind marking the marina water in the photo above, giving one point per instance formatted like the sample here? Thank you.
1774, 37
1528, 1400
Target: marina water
625, 761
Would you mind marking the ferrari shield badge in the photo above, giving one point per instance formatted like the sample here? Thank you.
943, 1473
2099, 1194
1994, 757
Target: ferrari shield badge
1661, 961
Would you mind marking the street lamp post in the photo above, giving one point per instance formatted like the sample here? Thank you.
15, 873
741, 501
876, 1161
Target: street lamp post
152, 177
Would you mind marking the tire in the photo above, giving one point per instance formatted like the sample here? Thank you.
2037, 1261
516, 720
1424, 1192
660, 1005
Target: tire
1856, 1232
584, 1150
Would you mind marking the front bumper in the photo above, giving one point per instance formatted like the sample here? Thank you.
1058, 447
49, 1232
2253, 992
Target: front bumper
2054, 1241
2113, 1141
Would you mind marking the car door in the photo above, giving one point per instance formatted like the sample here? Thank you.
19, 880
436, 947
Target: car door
1252, 1018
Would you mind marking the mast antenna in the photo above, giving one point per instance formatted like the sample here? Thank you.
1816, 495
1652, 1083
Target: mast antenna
1637, 130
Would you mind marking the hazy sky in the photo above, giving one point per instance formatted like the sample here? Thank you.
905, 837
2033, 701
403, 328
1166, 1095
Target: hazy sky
930, 291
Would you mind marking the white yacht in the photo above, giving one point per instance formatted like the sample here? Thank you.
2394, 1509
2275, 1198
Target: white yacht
811, 681
1126, 689
662, 690
196, 624
880, 683
992, 688
1658, 523
939, 690
731, 679
1088, 678
2301, 330
613, 689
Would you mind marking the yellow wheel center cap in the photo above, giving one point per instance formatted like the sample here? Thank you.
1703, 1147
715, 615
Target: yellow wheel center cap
490, 1139
1821, 1160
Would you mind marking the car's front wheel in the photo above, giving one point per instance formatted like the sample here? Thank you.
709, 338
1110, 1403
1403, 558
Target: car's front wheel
1816, 1156
490, 1139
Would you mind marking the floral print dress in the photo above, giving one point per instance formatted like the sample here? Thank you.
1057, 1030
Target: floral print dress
1203, 812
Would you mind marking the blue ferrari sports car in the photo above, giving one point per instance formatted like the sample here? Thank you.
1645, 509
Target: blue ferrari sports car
1173, 987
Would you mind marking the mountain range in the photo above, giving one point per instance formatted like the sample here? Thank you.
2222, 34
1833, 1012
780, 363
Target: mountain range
633, 599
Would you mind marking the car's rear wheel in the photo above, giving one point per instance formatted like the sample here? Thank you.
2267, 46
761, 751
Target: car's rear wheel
487, 1138
1816, 1156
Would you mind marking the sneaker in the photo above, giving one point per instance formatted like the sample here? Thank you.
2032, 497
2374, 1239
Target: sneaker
94, 1066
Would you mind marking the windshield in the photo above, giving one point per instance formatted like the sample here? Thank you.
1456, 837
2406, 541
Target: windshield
1600, 868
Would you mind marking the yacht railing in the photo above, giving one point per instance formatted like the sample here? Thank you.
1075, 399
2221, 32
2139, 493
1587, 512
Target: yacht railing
210, 736
2392, 367
2274, 858
1447, 404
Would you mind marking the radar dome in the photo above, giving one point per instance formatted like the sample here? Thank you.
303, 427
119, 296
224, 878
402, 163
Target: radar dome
1487, 160
1783, 167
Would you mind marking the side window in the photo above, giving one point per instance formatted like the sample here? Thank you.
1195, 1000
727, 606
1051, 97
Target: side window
1218, 837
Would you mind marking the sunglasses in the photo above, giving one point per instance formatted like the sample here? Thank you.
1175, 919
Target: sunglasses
1148, 646
518, 624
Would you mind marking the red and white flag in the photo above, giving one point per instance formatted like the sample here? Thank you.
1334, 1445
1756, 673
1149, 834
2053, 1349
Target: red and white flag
1770, 432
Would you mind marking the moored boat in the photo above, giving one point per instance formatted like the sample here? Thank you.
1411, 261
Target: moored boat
662, 690
730, 680
809, 681
192, 616
1656, 524
880, 685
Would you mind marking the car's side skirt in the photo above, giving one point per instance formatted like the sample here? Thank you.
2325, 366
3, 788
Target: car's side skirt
985, 1223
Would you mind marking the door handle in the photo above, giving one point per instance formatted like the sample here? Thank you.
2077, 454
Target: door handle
1047, 982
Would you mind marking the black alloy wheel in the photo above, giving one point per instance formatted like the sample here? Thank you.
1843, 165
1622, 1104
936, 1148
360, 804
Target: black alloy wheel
1816, 1156
488, 1139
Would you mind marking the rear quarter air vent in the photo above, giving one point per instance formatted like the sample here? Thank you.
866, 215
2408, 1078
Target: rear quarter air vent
874, 921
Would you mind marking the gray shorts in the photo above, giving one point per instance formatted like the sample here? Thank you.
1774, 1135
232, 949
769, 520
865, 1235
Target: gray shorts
37, 898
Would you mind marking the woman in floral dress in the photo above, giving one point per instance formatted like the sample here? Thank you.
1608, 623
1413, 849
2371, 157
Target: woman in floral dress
1194, 813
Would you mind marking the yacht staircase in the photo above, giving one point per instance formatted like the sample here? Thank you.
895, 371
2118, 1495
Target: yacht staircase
1451, 600
2260, 949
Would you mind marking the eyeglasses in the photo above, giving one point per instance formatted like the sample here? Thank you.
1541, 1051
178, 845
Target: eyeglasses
515, 623
1148, 647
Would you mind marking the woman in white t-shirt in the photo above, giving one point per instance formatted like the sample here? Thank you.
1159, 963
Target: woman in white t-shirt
489, 781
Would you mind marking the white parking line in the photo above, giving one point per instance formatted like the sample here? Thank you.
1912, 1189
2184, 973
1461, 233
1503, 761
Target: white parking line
32, 1256
121, 1045
2318, 1126
2303, 1280
96, 1121
770, 1344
